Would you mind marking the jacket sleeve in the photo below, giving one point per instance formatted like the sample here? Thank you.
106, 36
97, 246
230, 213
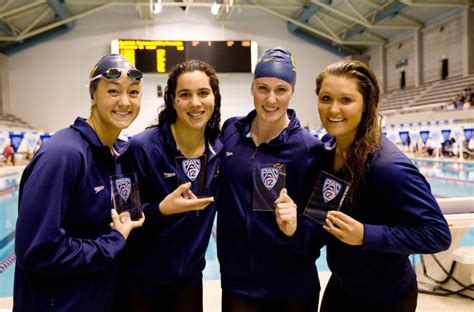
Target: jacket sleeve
42, 243
416, 224
308, 239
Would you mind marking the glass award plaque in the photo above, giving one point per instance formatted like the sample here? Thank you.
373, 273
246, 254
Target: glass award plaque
328, 194
193, 170
268, 181
126, 195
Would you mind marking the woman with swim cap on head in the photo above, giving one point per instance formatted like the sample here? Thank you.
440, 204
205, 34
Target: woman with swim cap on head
266, 250
65, 246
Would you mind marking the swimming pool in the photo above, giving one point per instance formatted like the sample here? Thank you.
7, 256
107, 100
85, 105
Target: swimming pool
446, 180
8, 214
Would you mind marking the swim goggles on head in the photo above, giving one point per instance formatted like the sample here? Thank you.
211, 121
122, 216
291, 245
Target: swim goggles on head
113, 74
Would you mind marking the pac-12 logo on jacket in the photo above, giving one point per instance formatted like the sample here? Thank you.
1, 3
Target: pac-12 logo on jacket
191, 168
124, 187
330, 189
269, 176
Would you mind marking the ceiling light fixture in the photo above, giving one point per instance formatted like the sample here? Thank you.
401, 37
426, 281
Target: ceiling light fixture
215, 7
157, 7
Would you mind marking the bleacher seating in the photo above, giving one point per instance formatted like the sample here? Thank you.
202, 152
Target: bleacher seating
444, 91
400, 98
426, 97
10, 122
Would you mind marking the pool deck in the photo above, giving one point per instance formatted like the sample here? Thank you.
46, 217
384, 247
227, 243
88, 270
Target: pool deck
212, 299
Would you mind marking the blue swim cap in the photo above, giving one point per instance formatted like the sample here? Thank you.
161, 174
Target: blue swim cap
277, 63
106, 62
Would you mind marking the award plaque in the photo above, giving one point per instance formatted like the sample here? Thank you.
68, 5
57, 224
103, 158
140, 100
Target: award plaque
126, 195
268, 181
193, 170
328, 194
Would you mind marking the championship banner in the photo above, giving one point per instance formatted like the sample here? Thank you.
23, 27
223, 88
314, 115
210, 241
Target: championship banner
446, 133
16, 138
44, 137
468, 134
404, 135
424, 135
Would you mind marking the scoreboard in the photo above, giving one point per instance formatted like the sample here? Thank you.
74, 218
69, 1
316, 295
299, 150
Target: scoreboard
159, 56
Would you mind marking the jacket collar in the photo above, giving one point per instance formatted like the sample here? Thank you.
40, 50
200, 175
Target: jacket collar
213, 145
91, 136
244, 124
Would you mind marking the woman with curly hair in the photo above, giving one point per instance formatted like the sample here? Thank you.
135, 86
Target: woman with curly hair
162, 264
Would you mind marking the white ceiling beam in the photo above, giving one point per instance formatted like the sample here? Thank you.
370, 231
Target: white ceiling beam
370, 3
36, 21
329, 36
393, 26
362, 42
325, 26
374, 36
12, 26
353, 9
434, 4
286, 6
340, 13
5, 5
409, 20
410, 24
333, 19
300, 24
22, 8
56, 24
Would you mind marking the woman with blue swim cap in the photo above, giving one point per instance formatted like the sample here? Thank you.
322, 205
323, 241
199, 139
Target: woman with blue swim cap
266, 250
67, 241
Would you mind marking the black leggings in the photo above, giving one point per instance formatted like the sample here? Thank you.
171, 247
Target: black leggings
336, 299
185, 300
240, 303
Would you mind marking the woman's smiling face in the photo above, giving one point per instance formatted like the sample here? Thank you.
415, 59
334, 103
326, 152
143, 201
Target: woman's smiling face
340, 106
271, 98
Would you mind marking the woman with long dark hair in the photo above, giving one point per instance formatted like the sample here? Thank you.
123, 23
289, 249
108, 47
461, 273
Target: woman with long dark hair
163, 263
389, 212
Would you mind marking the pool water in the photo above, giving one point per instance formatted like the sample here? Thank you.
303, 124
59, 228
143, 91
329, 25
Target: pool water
8, 214
446, 180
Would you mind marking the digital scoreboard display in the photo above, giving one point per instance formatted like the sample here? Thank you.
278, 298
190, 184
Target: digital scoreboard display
159, 56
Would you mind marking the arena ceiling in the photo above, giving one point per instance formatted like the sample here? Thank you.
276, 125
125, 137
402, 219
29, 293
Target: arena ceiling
348, 25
